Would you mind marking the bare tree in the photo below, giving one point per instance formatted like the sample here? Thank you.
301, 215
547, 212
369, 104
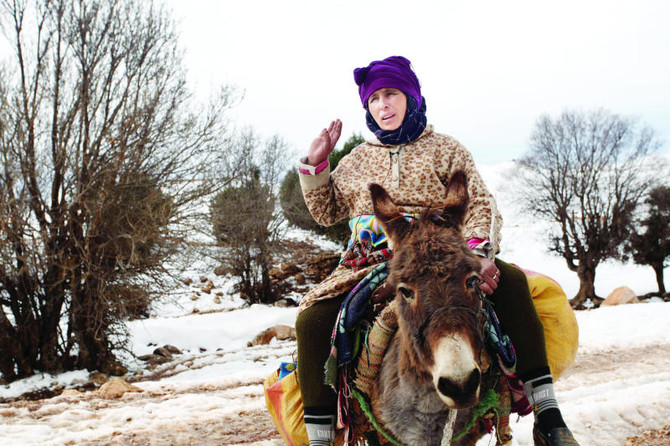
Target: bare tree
650, 244
586, 174
246, 220
102, 155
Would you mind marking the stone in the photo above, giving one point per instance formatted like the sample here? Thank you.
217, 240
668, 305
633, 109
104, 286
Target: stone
319, 267
98, 378
172, 349
620, 296
207, 287
281, 332
162, 351
300, 279
220, 270
71, 393
115, 369
290, 269
154, 360
116, 388
285, 303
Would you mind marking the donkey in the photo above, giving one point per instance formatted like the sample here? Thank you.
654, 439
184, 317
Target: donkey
436, 359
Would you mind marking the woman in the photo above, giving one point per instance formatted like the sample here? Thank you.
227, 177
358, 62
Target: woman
414, 164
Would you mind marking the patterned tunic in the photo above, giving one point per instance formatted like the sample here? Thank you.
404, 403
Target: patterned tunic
415, 175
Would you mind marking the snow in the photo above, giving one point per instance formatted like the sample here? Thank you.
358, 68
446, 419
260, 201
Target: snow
618, 387
224, 381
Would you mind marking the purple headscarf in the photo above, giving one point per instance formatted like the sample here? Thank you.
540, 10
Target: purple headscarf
392, 72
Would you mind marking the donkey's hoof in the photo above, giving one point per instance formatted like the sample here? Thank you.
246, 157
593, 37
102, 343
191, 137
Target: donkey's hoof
560, 436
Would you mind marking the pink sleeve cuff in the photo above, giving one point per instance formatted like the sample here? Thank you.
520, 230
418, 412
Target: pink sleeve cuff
475, 242
481, 247
306, 169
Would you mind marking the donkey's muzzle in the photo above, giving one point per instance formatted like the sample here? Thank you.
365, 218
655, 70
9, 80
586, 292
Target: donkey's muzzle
463, 392
456, 374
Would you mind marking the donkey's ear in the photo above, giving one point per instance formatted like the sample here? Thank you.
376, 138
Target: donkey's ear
387, 213
457, 198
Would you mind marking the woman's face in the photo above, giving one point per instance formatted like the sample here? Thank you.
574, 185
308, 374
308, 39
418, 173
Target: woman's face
387, 107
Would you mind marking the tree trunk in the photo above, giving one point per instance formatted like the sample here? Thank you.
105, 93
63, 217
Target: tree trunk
587, 291
658, 269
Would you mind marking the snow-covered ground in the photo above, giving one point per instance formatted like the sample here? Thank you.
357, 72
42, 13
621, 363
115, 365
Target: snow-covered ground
618, 387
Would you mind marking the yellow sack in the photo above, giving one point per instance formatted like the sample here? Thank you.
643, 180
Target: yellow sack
284, 402
560, 324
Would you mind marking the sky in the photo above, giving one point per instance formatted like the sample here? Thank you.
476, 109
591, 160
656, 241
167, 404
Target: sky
488, 69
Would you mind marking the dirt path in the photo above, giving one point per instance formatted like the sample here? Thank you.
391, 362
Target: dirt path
233, 412
592, 368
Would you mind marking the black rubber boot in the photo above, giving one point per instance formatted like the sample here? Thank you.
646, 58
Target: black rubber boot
560, 436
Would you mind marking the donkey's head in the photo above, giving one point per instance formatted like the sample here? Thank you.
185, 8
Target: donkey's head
435, 276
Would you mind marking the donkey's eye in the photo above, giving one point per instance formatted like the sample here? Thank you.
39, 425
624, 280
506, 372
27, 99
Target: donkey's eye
407, 293
472, 281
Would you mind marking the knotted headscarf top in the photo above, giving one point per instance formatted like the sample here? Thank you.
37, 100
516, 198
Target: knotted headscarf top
392, 72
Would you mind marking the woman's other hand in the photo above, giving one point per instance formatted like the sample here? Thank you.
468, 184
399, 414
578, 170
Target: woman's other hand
490, 275
324, 144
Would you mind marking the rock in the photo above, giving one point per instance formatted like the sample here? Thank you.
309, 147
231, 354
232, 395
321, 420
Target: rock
620, 296
98, 378
207, 287
300, 279
115, 369
162, 351
187, 281
217, 300
290, 269
319, 267
153, 360
281, 332
285, 303
71, 393
220, 270
172, 349
276, 273
116, 388
203, 279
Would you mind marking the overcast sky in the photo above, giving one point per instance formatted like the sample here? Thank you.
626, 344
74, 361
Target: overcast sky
488, 68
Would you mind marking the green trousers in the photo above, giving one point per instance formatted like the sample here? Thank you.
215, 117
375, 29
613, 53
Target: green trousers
512, 302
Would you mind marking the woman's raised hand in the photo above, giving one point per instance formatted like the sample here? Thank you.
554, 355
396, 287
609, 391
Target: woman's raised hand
324, 143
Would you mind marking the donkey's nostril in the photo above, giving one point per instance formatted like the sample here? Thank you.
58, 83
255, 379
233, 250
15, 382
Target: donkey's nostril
475, 378
447, 387
462, 392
